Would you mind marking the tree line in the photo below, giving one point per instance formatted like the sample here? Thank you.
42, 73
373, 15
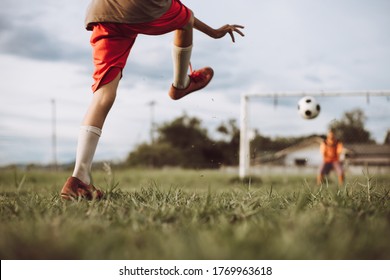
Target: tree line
185, 142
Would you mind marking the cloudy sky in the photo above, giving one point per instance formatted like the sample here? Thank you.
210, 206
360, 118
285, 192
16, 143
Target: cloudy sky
290, 45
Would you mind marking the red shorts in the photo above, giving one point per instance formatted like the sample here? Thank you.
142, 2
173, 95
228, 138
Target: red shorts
112, 42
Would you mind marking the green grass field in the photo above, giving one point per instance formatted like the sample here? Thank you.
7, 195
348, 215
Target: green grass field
182, 214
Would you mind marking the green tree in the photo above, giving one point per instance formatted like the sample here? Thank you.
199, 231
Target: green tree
182, 142
350, 128
184, 132
387, 138
155, 155
229, 147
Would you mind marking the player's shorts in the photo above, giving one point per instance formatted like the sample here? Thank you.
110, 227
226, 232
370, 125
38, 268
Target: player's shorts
112, 42
326, 167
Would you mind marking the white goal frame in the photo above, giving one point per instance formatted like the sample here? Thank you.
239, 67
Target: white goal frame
244, 149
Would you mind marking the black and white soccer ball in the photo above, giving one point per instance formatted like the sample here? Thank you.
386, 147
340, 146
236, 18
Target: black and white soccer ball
308, 107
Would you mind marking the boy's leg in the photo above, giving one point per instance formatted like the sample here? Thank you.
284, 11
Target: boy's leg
323, 171
320, 179
111, 47
181, 55
178, 19
79, 185
339, 171
86, 147
320, 174
102, 101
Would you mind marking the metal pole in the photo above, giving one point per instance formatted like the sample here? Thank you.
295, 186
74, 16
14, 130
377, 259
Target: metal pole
244, 141
152, 104
54, 133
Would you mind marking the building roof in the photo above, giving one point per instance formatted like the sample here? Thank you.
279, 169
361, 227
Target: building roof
367, 149
368, 154
314, 141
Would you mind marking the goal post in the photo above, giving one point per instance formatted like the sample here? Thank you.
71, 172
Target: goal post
244, 147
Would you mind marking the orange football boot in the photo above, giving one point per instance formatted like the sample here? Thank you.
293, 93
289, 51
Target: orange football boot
74, 189
198, 80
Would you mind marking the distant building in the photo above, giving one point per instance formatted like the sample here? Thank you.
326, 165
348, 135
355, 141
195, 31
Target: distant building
368, 154
307, 154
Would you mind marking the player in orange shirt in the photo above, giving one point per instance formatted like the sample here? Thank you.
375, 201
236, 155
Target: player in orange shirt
331, 150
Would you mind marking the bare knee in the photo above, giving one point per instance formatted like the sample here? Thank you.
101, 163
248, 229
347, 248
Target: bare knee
106, 94
104, 99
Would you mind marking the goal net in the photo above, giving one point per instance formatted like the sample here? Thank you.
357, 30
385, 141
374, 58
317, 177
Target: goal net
275, 138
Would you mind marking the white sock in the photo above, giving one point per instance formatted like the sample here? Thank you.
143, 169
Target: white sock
86, 147
181, 59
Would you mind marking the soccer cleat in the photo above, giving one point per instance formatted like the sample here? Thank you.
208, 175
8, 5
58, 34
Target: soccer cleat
75, 189
198, 80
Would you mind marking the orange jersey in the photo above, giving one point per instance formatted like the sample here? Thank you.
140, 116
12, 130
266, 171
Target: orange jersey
331, 152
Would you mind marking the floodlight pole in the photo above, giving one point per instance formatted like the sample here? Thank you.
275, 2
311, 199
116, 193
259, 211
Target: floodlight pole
54, 134
244, 151
244, 155
152, 124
